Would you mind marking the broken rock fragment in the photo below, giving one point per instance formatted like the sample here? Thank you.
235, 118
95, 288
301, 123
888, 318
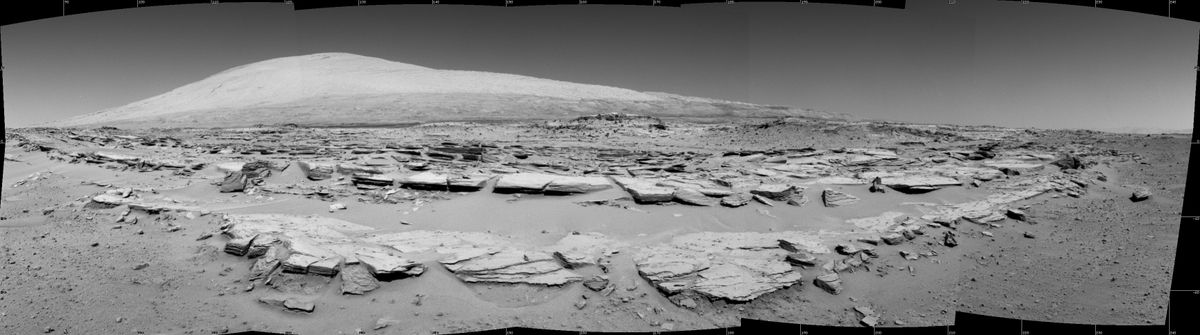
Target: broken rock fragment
829, 282
289, 302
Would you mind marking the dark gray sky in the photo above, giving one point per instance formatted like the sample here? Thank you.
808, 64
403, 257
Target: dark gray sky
1001, 63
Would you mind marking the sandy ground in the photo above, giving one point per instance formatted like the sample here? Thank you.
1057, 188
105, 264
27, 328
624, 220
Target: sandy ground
1099, 258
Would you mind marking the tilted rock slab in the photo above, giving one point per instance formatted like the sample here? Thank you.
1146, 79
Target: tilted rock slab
645, 190
918, 184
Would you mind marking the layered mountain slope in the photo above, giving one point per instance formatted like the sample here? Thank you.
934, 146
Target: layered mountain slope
347, 89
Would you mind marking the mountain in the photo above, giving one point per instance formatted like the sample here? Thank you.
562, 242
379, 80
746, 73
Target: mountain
348, 89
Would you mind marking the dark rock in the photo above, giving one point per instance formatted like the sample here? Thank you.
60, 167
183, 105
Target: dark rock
801, 258
847, 249
1140, 195
949, 240
1017, 214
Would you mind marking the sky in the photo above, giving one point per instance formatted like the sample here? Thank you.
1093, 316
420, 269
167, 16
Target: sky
975, 62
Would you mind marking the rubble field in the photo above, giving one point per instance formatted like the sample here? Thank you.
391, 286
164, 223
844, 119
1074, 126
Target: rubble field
613, 222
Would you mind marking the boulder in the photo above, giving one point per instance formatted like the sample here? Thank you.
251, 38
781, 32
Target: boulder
694, 197
834, 198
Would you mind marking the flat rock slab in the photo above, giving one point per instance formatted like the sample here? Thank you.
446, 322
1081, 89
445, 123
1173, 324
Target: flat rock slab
291, 303
523, 183
918, 184
470, 183
878, 223
732, 266
139, 204
575, 184
645, 190
426, 180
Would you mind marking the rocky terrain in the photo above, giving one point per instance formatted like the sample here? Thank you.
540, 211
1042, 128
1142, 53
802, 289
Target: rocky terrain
605, 222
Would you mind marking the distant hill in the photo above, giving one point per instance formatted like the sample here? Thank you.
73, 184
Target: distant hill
341, 88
